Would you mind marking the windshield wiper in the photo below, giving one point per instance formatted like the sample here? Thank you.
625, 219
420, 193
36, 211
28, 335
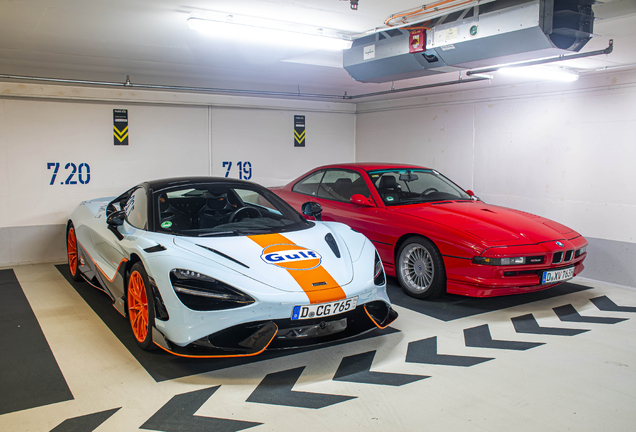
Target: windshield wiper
414, 200
216, 233
236, 232
424, 200
255, 231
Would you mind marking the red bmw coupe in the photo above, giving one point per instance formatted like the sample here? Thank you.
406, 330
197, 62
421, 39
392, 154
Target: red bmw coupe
434, 236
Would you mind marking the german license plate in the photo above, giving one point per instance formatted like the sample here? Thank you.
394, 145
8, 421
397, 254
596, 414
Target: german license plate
325, 309
554, 276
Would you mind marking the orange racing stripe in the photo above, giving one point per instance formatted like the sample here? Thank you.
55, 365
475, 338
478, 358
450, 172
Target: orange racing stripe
328, 292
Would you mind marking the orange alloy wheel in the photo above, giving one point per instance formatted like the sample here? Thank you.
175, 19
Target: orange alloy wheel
138, 306
71, 246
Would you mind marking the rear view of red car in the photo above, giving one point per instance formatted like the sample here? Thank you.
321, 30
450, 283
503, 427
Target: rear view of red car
435, 237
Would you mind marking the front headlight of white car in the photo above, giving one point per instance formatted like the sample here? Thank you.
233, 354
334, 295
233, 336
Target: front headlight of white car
200, 292
378, 276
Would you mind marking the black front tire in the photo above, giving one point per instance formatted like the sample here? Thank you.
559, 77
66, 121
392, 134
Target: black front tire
420, 269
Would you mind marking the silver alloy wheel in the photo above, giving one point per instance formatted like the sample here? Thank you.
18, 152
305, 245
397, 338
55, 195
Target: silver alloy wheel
416, 268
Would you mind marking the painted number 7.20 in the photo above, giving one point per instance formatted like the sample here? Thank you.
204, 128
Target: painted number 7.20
244, 169
83, 173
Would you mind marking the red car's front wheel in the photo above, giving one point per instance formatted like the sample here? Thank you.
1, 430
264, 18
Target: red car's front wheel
420, 269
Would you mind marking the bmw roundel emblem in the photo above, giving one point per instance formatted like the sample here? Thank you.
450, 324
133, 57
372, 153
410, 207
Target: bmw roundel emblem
559, 244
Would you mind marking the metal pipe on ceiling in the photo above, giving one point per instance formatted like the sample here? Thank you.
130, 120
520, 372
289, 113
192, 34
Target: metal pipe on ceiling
475, 73
420, 87
432, 16
128, 84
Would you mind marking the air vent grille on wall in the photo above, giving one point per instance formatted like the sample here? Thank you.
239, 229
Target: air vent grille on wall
502, 31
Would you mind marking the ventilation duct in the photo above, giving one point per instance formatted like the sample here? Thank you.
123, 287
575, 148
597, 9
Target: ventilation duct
502, 31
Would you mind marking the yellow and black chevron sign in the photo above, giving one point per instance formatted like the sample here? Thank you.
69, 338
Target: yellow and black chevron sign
299, 131
120, 126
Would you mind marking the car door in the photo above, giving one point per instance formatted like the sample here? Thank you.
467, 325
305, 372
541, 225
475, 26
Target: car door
110, 253
334, 193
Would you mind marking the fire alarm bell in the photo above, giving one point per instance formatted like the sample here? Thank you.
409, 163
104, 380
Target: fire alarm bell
417, 41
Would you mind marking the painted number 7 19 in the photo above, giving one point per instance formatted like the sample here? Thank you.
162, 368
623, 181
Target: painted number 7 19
244, 169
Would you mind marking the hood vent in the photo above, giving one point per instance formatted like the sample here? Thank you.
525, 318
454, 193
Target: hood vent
223, 255
332, 244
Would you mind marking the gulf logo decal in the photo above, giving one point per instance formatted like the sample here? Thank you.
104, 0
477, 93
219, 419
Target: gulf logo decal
291, 257
315, 281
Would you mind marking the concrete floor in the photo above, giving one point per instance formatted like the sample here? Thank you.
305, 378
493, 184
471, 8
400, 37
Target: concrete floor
582, 382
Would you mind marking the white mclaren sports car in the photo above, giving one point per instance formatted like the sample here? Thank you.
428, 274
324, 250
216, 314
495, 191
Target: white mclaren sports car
215, 267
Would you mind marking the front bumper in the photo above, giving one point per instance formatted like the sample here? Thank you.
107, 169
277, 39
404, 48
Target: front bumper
250, 339
475, 280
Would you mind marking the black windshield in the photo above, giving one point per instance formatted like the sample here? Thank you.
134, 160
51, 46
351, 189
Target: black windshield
412, 186
223, 209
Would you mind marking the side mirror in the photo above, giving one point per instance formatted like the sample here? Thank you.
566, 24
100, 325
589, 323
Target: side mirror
116, 219
312, 209
361, 200
472, 195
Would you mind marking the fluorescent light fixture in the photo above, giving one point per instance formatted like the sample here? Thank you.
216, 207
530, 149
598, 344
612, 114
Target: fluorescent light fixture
541, 73
482, 75
264, 31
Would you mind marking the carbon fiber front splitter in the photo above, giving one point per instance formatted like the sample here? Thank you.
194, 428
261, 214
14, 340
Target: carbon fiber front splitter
253, 338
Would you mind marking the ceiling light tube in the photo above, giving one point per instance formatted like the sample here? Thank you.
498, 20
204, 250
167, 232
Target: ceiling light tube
541, 73
263, 31
485, 76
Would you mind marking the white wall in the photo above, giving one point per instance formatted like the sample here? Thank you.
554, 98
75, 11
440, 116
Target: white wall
164, 141
170, 134
266, 139
566, 152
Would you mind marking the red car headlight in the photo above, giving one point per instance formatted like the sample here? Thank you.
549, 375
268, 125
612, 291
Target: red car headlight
509, 261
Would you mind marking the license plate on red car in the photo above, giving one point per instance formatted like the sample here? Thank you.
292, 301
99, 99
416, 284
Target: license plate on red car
554, 276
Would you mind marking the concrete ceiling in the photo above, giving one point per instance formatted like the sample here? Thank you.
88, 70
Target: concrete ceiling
151, 41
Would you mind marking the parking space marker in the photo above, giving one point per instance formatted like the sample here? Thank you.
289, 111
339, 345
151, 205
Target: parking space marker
567, 313
356, 368
425, 351
528, 324
479, 337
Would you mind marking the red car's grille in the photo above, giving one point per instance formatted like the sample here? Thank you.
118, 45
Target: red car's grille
562, 257
522, 272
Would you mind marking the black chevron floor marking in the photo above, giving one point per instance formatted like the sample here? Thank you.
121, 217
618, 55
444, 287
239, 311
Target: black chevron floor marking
178, 415
479, 337
356, 368
605, 304
567, 313
85, 423
276, 389
528, 324
425, 351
